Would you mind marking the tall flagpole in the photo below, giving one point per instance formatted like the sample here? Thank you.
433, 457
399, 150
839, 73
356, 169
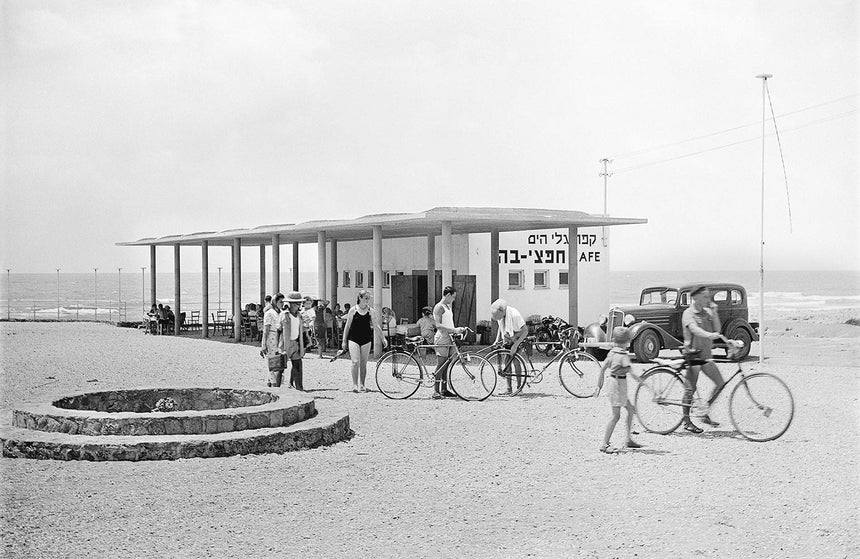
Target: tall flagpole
763, 78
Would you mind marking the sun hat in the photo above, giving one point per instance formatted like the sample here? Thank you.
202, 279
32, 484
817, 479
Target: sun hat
621, 336
294, 297
427, 309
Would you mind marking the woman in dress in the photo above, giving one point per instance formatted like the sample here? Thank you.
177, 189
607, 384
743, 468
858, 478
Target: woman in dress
361, 322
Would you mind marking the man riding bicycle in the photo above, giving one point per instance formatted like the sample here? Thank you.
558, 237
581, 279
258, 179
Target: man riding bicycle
512, 331
701, 325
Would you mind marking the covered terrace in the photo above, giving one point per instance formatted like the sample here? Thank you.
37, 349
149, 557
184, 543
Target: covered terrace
441, 222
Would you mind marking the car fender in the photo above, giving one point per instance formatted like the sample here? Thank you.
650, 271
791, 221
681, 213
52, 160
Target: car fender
740, 323
668, 340
594, 331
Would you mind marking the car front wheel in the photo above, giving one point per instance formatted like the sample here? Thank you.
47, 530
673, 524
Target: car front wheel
646, 346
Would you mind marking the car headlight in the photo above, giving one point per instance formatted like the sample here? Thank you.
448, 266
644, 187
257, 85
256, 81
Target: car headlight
602, 320
629, 319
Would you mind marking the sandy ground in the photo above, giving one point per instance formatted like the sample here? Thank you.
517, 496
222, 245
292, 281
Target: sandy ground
503, 478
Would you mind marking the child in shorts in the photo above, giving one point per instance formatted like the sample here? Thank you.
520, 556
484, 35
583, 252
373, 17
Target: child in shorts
618, 365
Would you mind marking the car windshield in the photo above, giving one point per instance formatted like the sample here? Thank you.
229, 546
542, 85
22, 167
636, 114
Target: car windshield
659, 296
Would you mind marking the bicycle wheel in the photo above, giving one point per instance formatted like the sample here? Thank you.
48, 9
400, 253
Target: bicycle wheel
398, 375
578, 372
541, 339
472, 377
761, 407
512, 373
658, 400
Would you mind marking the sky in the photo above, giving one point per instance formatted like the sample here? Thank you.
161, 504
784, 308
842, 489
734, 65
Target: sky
124, 120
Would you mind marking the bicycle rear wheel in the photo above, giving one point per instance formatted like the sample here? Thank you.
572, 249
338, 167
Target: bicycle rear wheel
511, 372
398, 375
761, 407
658, 400
578, 372
472, 377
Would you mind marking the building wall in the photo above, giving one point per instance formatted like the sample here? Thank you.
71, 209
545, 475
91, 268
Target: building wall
526, 252
398, 255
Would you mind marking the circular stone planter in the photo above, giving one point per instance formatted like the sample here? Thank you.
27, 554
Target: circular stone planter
119, 425
199, 410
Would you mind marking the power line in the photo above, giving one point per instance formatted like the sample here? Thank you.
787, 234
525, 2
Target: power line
663, 146
651, 163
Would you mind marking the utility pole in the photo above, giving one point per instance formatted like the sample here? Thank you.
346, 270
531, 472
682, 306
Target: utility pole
58, 294
763, 78
8, 294
605, 174
219, 287
143, 288
96, 294
119, 295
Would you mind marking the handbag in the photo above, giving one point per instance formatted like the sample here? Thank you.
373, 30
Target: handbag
277, 362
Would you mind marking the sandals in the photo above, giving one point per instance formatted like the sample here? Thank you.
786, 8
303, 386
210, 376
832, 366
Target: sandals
606, 449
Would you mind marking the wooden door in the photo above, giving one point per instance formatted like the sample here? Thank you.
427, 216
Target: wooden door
403, 297
464, 308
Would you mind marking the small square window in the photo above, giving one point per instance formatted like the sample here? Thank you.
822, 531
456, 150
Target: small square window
562, 280
359, 278
398, 272
386, 278
516, 279
541, 279
370, 278
346, 279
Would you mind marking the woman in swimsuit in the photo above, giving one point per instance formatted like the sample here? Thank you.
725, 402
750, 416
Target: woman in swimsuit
357, 335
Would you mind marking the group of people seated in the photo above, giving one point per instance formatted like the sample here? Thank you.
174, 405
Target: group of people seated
161, 319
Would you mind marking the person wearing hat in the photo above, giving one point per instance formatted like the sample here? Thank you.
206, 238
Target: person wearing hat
292, 337
701, 325
271, 338
618, 365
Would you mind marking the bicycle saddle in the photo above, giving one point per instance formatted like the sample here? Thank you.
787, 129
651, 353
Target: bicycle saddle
673, 363
414, 339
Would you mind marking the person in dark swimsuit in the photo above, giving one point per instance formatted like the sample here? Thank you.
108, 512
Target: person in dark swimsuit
357, 335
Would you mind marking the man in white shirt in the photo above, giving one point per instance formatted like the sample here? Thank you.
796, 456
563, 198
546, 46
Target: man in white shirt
512, 331
271, 326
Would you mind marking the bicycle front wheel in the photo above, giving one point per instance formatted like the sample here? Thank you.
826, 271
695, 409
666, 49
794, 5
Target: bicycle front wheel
472, 377
578, 373
761, 407
658, 400
511, 372
398, 375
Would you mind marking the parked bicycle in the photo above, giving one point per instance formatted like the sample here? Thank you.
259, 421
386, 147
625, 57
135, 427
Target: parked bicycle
547, 335
401, 370
761, 406
577, 370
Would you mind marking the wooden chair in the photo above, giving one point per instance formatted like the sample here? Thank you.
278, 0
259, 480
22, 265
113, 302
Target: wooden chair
194, 322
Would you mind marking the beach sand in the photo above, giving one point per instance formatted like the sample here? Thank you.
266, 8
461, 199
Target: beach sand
422, 478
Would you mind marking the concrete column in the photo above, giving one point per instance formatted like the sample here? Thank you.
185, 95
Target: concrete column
572, 283
237, 289
295, 266
177, 304
152, 280
262, 276
447, 256
276, 264
333, 274
494, 265
432, 296
204, 274
377, 283
322, 279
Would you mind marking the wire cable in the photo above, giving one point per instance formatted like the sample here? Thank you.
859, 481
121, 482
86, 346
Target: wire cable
670, 144
779, 143
651, 163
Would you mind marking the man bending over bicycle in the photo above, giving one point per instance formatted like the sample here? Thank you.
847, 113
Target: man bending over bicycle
512, 331
701, 325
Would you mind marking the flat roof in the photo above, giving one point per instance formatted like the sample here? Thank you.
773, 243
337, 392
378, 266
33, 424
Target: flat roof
463, 220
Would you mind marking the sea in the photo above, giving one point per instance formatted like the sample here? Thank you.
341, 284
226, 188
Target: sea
125, 296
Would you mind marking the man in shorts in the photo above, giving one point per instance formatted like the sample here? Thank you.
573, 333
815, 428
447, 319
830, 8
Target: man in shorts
701, 325
512, 331
444, 316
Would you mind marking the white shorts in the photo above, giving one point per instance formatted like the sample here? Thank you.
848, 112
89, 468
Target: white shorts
616, 389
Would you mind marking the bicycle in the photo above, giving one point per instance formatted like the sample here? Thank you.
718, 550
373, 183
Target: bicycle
547, 334
761, 406
400, 371
577, 370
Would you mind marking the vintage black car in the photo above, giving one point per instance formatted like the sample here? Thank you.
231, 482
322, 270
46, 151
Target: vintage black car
656, 323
